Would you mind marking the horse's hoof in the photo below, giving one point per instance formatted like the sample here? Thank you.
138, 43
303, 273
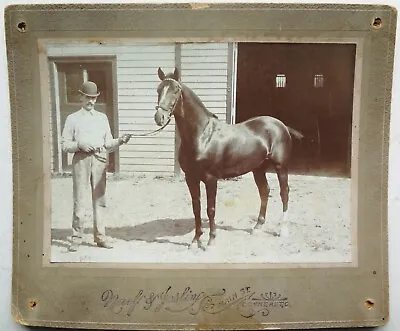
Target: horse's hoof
211, 242
199, 245
256, 228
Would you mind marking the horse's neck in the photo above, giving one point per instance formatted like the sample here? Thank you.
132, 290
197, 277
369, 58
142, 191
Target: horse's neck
193, 118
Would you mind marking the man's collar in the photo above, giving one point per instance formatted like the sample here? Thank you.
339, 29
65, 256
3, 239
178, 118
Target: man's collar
91, 112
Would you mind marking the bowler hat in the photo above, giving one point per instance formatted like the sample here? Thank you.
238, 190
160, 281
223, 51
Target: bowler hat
90, 89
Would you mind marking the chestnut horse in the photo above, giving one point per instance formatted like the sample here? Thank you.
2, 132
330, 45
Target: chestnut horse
211, 149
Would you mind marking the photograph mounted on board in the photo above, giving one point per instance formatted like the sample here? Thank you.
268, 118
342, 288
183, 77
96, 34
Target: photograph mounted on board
216, 152
217, 167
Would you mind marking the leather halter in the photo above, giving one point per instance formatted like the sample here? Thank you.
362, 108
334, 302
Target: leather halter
170, 111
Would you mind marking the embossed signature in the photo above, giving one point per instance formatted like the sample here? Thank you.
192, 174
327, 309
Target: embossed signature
246, 301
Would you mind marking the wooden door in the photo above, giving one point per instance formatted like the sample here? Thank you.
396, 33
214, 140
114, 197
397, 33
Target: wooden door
70, 76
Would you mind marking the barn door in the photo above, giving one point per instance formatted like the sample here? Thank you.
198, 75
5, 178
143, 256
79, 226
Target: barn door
69, 77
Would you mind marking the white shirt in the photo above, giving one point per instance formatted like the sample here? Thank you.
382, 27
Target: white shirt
91, 127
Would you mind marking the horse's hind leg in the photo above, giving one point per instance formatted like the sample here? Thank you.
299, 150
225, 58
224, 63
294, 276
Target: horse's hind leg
211, 188
194, 188
282, 174
263, 189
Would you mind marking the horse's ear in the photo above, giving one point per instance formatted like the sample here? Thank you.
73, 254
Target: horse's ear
176, 74
161, 74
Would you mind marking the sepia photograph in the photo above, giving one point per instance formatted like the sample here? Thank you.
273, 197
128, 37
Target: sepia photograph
187, 166
202, 152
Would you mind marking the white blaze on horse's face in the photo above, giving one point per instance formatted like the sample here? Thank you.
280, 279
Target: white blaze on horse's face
169, 92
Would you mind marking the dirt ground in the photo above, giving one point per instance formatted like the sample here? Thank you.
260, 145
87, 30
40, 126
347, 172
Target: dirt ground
150, 220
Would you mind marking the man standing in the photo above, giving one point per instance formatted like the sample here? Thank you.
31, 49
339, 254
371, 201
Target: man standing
87, 134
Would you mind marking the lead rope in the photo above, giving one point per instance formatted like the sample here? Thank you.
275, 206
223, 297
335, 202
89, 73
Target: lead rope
151, 132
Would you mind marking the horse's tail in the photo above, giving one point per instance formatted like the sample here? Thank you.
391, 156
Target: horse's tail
295, 133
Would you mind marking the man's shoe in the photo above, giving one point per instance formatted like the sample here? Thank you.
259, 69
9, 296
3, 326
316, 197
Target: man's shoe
73, 247
103, 244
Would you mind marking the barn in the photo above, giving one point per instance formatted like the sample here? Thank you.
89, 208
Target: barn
307, 85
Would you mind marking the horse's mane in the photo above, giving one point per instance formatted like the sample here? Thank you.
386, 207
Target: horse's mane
198, 101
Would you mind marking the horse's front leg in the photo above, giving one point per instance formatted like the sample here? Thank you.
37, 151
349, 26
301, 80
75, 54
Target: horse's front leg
211, 188
263, 190
193, 184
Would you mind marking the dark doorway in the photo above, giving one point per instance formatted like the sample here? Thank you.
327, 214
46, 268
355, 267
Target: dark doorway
70, 74
310, 88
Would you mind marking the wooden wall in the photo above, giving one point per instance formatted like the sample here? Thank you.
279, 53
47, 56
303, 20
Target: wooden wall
204, 69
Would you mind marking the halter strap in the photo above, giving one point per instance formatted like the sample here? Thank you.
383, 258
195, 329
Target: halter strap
169, 115
171, 111
175, 81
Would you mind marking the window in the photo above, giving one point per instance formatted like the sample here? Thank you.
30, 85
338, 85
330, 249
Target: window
280, 80
76, 75
99, 77
318, 80
73, 81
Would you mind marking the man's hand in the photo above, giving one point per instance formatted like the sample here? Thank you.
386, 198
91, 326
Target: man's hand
124, 138
86, 147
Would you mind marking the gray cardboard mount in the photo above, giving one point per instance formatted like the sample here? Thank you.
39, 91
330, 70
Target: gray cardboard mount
201, 296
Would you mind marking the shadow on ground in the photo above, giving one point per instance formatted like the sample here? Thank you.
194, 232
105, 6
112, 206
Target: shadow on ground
152, 232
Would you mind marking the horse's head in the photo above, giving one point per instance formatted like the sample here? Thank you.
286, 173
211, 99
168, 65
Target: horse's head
169, 92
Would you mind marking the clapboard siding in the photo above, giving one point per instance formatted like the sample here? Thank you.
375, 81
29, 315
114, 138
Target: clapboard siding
206, 66
142, 112
205, 70
137, 84
156, 169
124, 108
53, 132
148, 148
137, 80
149, 99
207, 46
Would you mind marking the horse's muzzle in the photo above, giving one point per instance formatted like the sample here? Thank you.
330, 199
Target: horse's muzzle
159, 117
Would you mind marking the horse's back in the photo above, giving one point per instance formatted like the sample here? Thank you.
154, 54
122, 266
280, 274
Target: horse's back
267, 125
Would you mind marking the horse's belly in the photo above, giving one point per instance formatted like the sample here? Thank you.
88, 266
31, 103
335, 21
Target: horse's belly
237, 167
234, 161
227, 156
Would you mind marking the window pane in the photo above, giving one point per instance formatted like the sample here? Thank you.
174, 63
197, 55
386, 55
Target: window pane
319, 81
73, 82
99, 77
280, 80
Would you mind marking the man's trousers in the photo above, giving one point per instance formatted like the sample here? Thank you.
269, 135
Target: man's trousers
88, 171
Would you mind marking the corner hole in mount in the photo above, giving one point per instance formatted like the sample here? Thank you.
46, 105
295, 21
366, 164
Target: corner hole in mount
377, 24
32, 304
21, 27
369, 304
